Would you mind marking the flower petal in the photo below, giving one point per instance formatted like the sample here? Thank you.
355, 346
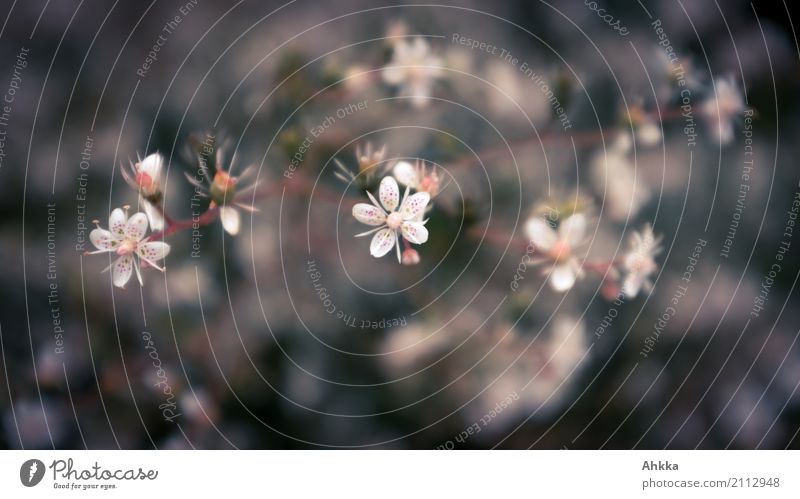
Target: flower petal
418, 49
230, 219
122, 270
103, 239
562, 277
540, 234
152, 165
382, 242
406, 174
414, 232
117, 221
136, 227
389, 193
393, 75
420, 92
368, 214
153, 215
632, 284
414, 205
573, 229
153, 250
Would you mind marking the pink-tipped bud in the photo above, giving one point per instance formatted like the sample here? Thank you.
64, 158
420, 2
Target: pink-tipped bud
223, 188
430, 184
410, 257
146, 184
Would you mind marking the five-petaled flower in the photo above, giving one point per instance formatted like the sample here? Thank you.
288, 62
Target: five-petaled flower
393, 222
413, 69
559, 247
639, 264
144, 177
222, 189
125, 237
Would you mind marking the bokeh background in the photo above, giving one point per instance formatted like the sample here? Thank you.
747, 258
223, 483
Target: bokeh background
442, 354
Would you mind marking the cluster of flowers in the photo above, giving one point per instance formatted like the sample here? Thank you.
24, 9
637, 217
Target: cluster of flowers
396, 220
560, 247
400, 221
126, 235
414, 70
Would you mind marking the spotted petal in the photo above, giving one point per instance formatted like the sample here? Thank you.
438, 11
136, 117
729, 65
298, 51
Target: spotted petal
406, 174
414, 206
414, 232
153, 251
540, 234
136, 227
117, 222
368, 214
122, 270
573, 229
230, 219
562, 277
382, 242
389, 193
103, 240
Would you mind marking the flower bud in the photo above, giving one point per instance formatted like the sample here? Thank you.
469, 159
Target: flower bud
223, 188
147, 185
368, 159
410, 257
430, 184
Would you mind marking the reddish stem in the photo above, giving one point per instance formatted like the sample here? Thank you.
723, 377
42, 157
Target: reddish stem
177, 225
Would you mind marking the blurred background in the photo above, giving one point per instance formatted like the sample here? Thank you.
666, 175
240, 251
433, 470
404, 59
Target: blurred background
290, 335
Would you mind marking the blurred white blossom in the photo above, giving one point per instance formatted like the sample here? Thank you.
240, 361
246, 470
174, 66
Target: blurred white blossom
413, 69
721, 109
614, 174
559, 247
639, 264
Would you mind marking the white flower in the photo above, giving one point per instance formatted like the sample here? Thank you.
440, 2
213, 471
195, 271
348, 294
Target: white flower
413, 68
615, 177
648, 133
645, 127
144, 176
721, 109
391, 221
638, 263
559, 246
125, 237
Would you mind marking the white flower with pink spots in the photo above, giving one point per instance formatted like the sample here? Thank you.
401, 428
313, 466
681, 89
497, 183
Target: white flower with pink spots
125, 237
393, 222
